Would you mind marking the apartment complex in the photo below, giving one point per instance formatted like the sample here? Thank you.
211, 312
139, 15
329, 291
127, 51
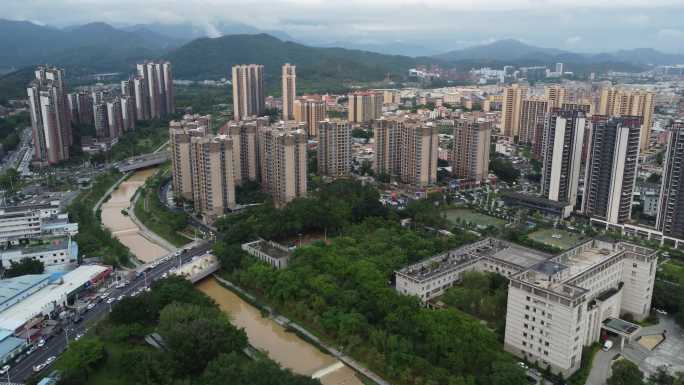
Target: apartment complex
556, 95
611, 168
556, 304
562, 156
157, 96
364, 106
670, 218
244, 135
50, 117
248, 91
180, 134
283, 162
310, 112
470, 152
406, 148
334, 148
213, 182
532, 118
289, 79
511, 108
623, 102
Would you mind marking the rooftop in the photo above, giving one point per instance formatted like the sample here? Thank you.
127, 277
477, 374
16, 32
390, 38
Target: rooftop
8, 343
44, 245
271, 249
11, 287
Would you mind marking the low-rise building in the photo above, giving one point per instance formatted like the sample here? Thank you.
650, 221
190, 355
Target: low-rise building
273, 253
34, 219
55, 253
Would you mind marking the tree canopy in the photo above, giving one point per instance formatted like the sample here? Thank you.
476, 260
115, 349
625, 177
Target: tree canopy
24, 266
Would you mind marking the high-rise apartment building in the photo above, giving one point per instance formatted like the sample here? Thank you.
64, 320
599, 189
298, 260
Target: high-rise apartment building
310, 112
532, 115
180, 134
114, 118
470, 153
213, 182
334, 148
364, 106
670, 218
556, 95
128, 113
248, 91
559, 68
562, 156
50, 116
511, 109
153, 90
289, 79
611, 168
244, 135
100, 119
283, 161
622, 102
407, 149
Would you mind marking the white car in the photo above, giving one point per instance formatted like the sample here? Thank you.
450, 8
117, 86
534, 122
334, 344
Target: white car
31, 349
38, 368
41, 343
78, 336
111, 300
4, 369
50, 360
523, 365
119, 298
105, 295
661, 311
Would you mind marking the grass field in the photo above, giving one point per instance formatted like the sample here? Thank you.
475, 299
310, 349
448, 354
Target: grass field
673, 271
566, 241
473, 217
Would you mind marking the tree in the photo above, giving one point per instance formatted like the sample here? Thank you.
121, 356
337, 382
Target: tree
24, 266
140, 309
80, 360
195, 335
625, 373
504, 169
260, 372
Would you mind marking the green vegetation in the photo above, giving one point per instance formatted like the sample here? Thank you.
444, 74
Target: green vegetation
10, 181
201, 345
93, 239
482, 295
23, 267
11, 128
204, 99
566, 241
625, 372
154, 214
146, 138
520, 237
503, 169
580, 377
473, 217
13, 85
668, 292
340, 290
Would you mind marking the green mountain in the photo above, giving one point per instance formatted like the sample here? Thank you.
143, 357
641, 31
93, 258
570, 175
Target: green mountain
208, 58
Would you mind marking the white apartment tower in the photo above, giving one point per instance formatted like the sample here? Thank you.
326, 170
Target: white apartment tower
289, 79
334, 148
283, 162
248, 91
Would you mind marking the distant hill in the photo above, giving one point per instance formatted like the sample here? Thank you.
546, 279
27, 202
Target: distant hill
512, 51
213, 58
184, 32
92, 47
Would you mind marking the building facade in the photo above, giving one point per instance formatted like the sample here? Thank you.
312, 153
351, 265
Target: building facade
511, 108
364, 106
334, 148
180, 134
283, 162
470, 153
670, 219
611, 168
289, 79
213, 180
245, 148
248, 91
532, 115
622, 102
310, 112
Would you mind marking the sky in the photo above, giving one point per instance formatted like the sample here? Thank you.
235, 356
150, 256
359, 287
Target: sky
435, 25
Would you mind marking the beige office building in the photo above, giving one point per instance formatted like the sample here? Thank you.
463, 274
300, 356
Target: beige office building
283, 161
364, 106
180, 133
556, 95
310, 112
213, 182
622, 102
248, 91
407, 149
334, 148
244, 135
532, 115
511, 109
470, 153
289, 79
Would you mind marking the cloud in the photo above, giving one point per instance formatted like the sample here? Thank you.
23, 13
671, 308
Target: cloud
573, 41
670, 33
212, 31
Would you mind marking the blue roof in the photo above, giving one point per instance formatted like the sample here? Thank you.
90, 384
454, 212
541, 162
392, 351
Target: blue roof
9, 343
13, 287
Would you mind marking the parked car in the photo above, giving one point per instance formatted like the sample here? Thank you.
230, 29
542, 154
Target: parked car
661, 311
4, 369
523, 365
38, 368
90, 306
607, 345
50, 360
41, 343
111, 300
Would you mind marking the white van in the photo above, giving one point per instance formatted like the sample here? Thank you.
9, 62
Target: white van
607, 345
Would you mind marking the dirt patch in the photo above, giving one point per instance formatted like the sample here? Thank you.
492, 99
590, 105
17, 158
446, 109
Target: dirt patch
652, 341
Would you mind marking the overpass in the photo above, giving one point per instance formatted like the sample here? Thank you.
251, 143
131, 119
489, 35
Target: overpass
143, 161
198, 267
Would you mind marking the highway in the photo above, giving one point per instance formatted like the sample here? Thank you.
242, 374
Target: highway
58, 343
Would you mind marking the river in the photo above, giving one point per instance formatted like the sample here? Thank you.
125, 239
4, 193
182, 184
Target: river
286, 348
121, 226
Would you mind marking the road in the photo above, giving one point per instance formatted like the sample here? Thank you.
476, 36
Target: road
14, 157
57, 344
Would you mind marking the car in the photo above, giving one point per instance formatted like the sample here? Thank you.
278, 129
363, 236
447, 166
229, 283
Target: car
119, 298
661, 311
111, 300
165, 275
78, 336
523, 365
41, 343
38, 368
607, 345
50, 360
105, 295
31, 349
90, 306
4, 369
